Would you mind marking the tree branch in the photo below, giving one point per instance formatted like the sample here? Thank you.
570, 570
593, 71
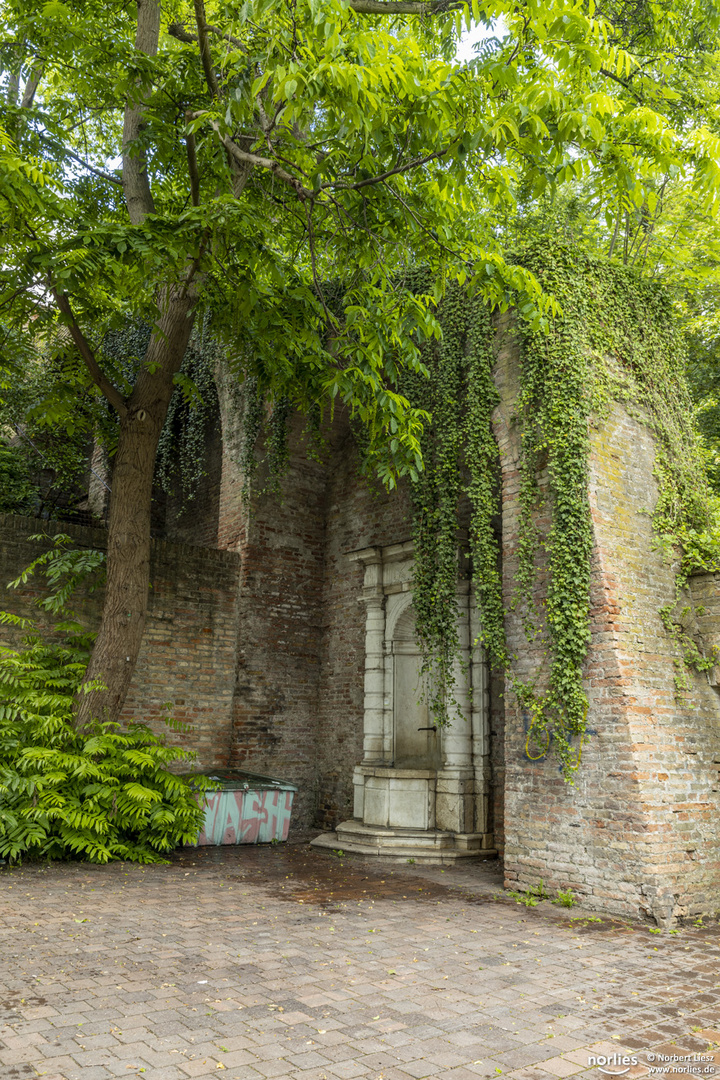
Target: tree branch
405, 7
91, 168
193, 169
248, 159
31, 86
391, 172
621, 82
240, 172
245, 158
178, 31
205, 54
103, 384
138, 195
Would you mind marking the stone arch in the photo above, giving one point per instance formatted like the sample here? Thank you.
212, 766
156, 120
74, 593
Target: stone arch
405, 625
401, 611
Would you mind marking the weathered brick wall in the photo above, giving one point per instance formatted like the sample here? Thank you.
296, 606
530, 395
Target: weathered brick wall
260, 646
639, 831
17, 551
280, 542
187, 657
358, 515
188, 653
298, 704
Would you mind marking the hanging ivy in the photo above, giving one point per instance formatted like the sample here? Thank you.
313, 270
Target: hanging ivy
482, 460
194, 408
615, 340
265, 415
435, 496
553, 410
252, 417
461, 468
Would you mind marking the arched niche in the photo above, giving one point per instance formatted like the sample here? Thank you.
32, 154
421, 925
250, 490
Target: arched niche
419, 792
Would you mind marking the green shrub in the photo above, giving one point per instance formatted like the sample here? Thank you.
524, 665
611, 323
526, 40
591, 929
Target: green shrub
17, 491
100, 794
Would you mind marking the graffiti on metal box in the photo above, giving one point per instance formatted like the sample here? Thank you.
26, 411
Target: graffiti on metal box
246, 817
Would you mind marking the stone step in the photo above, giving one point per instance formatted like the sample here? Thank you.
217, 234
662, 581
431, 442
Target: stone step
430, 846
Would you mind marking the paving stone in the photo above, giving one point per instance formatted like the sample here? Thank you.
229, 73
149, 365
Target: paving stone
419, 1069
176, 962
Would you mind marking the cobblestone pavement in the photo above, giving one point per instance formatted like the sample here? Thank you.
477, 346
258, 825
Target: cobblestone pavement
284, 962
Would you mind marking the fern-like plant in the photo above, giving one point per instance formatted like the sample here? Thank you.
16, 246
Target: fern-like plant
104, 793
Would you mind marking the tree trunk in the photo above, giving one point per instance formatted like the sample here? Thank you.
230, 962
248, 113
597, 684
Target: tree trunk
136, 182
118, 642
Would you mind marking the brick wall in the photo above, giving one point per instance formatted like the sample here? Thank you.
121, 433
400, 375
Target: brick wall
639, 831
280, 543
17, 551
298, 704
187, 657
358, 515
189, 647
260, 646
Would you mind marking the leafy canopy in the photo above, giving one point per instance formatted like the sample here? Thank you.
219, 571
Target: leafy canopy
301, 158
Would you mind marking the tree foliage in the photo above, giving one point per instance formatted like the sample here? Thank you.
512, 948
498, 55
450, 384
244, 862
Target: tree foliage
165, 160
284, 145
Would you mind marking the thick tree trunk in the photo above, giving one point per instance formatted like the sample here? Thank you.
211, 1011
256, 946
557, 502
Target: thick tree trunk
128, 559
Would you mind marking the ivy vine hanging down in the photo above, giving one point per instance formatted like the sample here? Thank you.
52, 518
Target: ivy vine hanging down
615, 339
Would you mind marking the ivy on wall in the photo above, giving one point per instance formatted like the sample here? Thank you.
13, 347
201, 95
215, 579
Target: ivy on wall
265, 418
615, 339
193, 408
461, 469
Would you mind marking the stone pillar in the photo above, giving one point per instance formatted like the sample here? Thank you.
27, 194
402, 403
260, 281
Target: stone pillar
457, 736
373, 728
480, 725
388, 702
454, 801
374, 599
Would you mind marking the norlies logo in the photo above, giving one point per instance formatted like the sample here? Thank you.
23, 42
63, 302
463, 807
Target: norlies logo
615, 1060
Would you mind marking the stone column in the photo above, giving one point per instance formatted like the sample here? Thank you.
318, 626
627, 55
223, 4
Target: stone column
388, 701
457, 736
374, 599
480, 725
373, 724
